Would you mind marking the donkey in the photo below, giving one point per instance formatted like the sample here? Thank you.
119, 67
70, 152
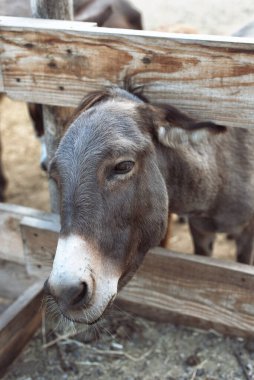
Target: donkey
108, 13
121, 167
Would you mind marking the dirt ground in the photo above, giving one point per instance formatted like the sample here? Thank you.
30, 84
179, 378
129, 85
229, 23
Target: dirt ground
129, 348
132, 348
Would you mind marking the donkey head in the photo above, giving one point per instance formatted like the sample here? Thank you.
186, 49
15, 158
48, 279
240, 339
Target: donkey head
113, 197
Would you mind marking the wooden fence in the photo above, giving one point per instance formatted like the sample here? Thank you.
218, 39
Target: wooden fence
58, 62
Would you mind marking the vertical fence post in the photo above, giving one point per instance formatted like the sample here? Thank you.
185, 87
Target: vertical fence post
52, 119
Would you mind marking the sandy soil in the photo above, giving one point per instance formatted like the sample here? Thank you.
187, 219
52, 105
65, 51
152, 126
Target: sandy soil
27, 183
129, 348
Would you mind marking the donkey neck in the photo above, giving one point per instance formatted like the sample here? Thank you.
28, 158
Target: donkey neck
191, 177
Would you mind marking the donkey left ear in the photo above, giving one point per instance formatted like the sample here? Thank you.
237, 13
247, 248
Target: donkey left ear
88, 102
173, 127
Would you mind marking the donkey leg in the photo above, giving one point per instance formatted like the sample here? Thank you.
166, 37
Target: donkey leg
203, 240
245, 244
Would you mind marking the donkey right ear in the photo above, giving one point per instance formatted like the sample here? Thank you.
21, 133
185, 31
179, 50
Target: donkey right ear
173, 128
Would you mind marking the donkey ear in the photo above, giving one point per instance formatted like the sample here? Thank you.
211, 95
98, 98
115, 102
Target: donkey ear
87, 102
93, 98
173, 127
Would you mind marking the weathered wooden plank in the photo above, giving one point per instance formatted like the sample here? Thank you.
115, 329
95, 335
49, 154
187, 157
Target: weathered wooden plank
53, 120
193, 290
11, 247
18, 323
14, 279
39, 240
170, 286
209, 77
52, 24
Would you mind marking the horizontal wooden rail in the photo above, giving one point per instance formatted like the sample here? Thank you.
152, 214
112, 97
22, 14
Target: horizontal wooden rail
58, 62
169, 286
21, 319
11, 247
18, 324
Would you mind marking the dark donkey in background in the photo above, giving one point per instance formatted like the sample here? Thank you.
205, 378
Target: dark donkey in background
121, 167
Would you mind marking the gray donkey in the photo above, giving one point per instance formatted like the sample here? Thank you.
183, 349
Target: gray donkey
121, 167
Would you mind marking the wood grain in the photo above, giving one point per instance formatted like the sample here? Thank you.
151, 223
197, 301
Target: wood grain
193, 290
39, 240
11, 246
18, 323
58, 62
169, 286
53, 117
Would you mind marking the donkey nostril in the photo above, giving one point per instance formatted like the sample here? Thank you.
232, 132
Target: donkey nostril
82, 295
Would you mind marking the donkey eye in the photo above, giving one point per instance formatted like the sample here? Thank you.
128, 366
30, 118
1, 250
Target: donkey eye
123, 167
